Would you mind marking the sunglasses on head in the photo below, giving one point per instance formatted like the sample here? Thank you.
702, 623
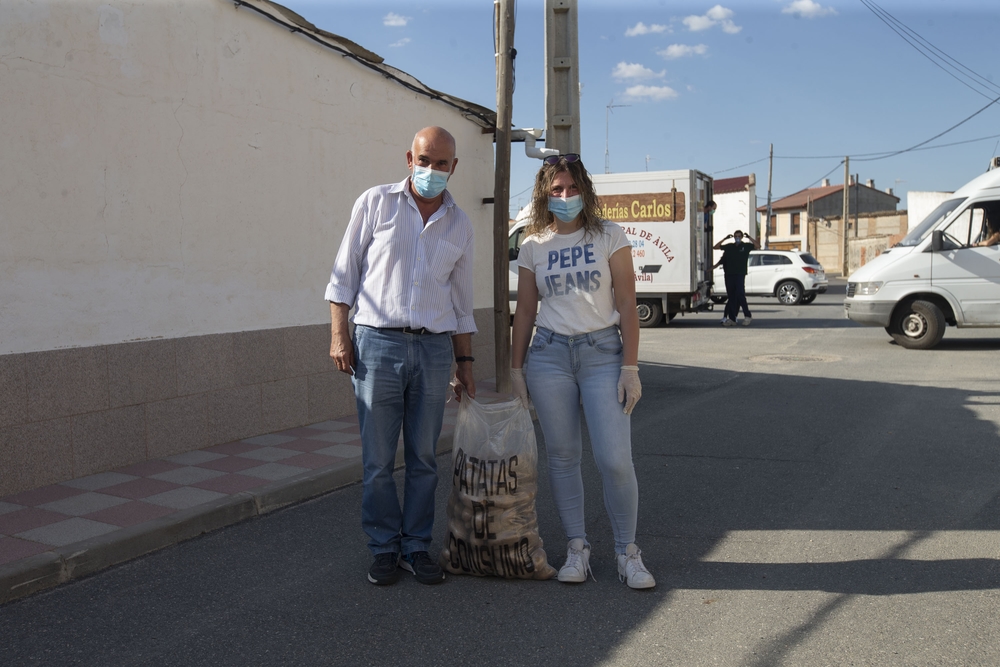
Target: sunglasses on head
556, 159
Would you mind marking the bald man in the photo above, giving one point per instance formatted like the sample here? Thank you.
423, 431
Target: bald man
405, 266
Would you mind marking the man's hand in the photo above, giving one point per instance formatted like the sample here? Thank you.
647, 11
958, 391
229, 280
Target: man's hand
342, 352
464, 380
341, 347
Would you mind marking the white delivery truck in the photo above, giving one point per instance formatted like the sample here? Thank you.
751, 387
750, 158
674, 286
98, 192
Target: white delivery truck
663, 215
942, 272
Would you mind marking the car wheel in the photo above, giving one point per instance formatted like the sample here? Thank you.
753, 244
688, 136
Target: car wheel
918, 325
650, 312
789, 293
718, 299
808, 298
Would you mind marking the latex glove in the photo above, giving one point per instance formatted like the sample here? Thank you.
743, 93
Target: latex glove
629, 388
520, 386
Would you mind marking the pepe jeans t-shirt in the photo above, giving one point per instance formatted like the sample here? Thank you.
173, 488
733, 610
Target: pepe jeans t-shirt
573, 275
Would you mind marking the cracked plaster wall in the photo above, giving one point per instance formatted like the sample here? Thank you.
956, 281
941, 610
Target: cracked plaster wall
183, 168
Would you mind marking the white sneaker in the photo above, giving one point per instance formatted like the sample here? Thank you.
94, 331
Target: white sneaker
724, 320
577, 565
728, 322
746, 321
632, 571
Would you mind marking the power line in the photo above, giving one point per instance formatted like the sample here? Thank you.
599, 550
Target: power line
820, 179
926, 49
907, 150
859, 155
722, 171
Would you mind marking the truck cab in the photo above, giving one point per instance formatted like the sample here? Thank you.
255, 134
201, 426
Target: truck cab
946, 271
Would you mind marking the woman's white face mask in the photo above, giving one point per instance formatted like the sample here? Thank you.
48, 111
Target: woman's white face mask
566, 209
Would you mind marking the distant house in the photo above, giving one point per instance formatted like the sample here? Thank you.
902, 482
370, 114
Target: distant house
788, 227
736, 204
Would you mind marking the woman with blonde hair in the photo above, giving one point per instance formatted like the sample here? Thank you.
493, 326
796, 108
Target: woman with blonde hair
584, 354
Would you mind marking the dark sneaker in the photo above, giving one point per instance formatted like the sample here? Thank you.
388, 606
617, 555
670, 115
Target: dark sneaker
383, 571
425, 569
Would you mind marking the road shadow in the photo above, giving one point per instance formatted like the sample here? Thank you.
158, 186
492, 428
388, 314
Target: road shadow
719, 455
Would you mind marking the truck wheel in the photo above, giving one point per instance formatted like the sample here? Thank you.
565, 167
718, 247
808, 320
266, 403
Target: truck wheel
650, 313
918, 325
718, 299
808, 298
789, 293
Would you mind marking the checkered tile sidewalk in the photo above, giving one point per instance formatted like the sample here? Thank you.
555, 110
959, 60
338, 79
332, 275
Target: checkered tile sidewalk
35, 521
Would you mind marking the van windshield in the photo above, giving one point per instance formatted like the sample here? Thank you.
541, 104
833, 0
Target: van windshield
920, 232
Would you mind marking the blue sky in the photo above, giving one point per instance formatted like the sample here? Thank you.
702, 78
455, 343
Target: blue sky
710, 85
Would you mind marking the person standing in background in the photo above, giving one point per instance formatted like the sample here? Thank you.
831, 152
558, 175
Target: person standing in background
735, 257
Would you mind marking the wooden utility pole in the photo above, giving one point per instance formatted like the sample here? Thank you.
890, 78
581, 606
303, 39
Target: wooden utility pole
767, 222
501, 191
847, 210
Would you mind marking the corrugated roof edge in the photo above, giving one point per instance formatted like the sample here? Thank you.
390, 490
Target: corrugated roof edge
353, 47
480, 115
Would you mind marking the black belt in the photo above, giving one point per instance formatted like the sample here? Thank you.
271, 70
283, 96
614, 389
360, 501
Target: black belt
422, 331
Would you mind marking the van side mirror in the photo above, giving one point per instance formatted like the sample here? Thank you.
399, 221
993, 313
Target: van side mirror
937, 240
512, 254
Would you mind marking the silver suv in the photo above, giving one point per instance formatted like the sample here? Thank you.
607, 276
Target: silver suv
794, 277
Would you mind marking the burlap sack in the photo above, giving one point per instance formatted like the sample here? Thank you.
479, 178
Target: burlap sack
492, 526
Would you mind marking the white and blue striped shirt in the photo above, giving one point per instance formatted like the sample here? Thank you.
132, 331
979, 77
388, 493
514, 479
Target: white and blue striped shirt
400, 272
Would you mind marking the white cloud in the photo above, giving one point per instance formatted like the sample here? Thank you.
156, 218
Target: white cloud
717, 15
395, 20
641, 28
402, 42
808, 9
655, 93
624, 70
682, 51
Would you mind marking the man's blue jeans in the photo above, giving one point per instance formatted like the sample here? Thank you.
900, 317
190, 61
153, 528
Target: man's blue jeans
401, 383
561, 373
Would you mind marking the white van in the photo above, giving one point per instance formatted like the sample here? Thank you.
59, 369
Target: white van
938, 274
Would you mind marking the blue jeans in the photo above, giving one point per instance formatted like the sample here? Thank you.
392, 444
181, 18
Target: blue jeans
400, 382
561, 372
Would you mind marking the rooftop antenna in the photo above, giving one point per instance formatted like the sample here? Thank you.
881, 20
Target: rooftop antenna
607, 115
648, 158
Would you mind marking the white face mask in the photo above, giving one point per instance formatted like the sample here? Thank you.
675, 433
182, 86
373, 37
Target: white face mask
429, 183
738, 239
566, 209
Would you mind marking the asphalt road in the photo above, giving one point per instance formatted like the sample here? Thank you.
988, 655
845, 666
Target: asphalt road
810, 494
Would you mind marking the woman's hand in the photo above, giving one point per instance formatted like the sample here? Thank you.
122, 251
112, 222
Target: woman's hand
629, 388
520, 386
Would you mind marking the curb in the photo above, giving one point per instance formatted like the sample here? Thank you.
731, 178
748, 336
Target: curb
59, 565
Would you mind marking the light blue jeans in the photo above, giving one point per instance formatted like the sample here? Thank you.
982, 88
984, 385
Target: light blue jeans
400, 382
561, 373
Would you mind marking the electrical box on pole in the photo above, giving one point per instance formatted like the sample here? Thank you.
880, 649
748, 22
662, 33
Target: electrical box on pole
562, 76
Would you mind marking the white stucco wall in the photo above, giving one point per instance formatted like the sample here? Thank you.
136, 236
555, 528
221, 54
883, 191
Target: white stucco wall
734, 210
920, 204
176, 168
